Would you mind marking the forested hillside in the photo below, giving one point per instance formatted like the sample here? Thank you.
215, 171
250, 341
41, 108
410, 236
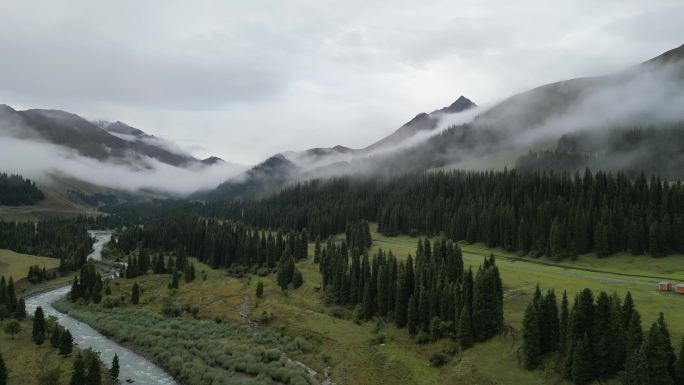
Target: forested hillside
554, 214
67, 240
16, 190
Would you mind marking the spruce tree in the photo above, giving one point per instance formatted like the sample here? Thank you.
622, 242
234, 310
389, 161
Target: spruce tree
531, 346
94, 376
656, 353
114, 371
297, 279
679, 365
563, 324
55, 337
38, 333
66, 343
260, 289
582, 363
78, 375
627, 309
135, 294
464, 333
412, 315
550, 321
667, 343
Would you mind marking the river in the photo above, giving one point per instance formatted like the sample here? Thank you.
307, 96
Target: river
134, 367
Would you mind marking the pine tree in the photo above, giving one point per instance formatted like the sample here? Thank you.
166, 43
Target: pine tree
174, 279
464, 333
94, 376
656, 354
297, 279
667, 344
114, 371
3, 371
679, 365
531, 346
627, 310
38, 333
135, 294
55, 337
582, 364
78, 374
412, 316
66, 343
563, 324
634, 335
260, 289
549, 320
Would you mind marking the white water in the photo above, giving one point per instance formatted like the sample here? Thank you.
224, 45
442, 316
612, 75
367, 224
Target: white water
133, 366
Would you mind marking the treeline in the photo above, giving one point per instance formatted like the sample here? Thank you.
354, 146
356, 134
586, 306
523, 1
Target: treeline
599, 338
632, 150
36, 274
220, 244
554, 214
433, 297
15, 190
158, 264
88, 285
64, 239
11, 305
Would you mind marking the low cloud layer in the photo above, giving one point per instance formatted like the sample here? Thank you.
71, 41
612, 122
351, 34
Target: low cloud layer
243, 80
38, 160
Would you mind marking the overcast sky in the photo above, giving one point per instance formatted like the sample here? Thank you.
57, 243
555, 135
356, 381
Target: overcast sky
246, 79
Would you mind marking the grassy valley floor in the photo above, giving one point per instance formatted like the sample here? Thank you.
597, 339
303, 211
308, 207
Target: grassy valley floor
377, 352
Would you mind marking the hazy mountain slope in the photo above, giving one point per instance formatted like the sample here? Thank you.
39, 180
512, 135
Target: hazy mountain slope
115, 142
651, 93
255, 183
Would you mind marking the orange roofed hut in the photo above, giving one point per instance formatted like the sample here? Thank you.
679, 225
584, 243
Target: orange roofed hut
665, 286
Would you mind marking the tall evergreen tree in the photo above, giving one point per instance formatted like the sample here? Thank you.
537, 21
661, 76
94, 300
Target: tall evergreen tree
679, 365
66, 343
464, 333
582, 364
135, 294
531, 346
94, 376
114, 370
38, 333
78, 375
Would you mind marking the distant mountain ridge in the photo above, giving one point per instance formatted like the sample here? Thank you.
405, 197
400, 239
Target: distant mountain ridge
509, 125
105, 141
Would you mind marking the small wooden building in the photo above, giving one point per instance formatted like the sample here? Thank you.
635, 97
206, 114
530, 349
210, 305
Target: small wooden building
680, 288
665, 286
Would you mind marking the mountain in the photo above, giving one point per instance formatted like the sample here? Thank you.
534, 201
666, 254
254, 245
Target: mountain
259, 181
602, 108
277, 170
422, 122
106, 141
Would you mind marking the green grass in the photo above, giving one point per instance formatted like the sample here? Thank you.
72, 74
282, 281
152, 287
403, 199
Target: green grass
16, 265
25, 359
348, 349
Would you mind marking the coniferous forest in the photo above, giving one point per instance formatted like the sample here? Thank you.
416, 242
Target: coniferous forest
541, 214
219, 244
598, 338
16, 190
66, 240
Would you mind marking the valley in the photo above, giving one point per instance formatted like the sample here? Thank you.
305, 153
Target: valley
373, 352
307, 193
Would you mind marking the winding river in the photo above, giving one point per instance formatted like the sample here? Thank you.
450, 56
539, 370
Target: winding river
134, 367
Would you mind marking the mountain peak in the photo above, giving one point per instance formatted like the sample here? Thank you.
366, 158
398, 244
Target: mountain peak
461, 104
